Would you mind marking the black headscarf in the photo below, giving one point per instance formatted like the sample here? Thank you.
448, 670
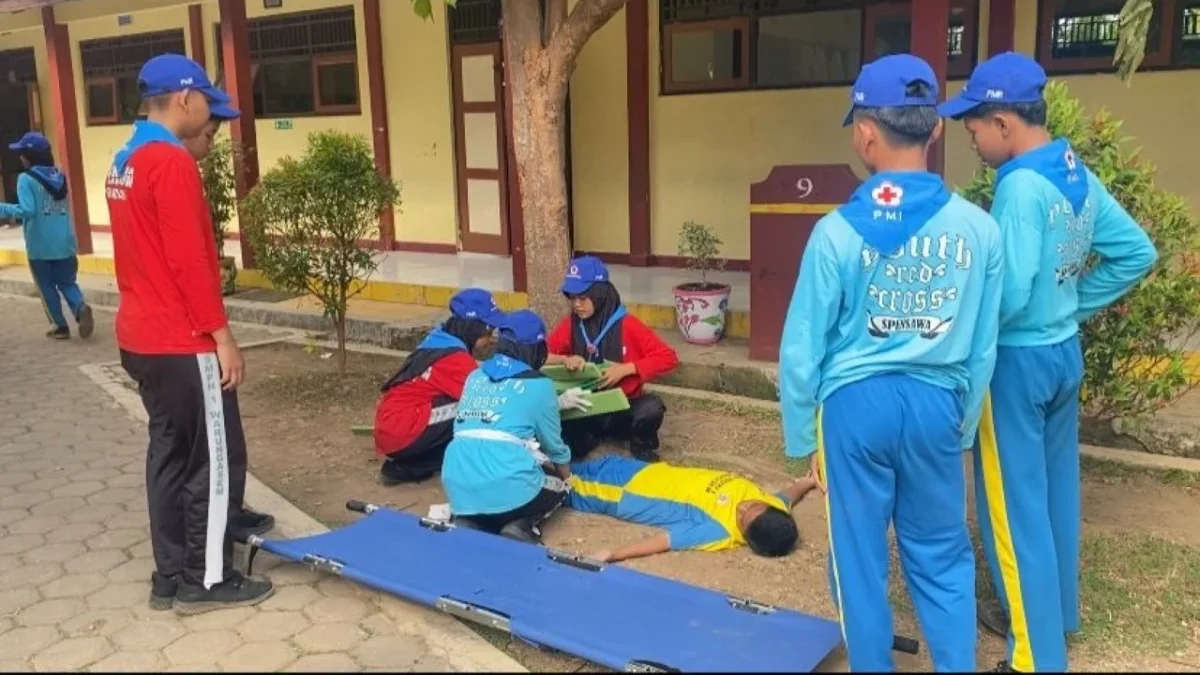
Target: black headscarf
533, 356
605, 301
437, 346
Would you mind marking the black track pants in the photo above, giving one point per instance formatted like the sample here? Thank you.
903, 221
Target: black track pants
196, 463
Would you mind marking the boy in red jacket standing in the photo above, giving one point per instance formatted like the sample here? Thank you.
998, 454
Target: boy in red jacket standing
599, 330
176, 344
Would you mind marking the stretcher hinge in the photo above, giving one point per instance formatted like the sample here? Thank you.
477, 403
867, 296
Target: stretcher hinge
574, 560
473, 613
747, 605
323, 564
649, 667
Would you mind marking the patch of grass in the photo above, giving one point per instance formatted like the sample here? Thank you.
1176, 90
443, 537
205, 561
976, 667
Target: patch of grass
1139, 593
1109, 471
719, 407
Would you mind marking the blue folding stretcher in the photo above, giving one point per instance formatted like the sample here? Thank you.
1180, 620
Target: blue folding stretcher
609, 615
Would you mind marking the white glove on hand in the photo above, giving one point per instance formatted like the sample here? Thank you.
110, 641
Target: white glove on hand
574, 399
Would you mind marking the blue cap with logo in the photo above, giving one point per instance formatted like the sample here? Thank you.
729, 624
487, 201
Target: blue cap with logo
884, 83
1005, 78
476, 303
32, 141
582, 273
170, 73
523, 327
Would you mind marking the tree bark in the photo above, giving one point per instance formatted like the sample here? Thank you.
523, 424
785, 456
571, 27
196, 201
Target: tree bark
339, 321
542, 51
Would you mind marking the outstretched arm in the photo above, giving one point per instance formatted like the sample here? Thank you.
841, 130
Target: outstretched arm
659, 543
798, 490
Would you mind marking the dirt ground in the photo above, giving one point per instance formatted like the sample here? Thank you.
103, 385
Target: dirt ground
298, 412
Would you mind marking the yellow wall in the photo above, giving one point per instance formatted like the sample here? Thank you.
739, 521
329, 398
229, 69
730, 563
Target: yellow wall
416, 68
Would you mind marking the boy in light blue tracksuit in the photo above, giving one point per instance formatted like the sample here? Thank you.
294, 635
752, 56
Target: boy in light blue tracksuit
49, 239
887, 350
1053, 214
506, 469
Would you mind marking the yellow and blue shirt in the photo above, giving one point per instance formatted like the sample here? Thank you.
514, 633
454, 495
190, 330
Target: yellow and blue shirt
697, 507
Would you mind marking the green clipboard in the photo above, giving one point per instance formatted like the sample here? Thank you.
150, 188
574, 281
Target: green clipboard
587, 378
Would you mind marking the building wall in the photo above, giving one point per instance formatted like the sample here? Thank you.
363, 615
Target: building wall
21, 31
706, 149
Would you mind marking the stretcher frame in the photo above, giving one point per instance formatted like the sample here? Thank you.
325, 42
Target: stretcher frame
484, 617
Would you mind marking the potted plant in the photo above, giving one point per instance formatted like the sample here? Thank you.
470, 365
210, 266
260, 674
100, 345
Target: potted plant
700, 306
217, 172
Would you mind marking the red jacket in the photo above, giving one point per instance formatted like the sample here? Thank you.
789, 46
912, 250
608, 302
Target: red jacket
642, 347
403, 411
165, 254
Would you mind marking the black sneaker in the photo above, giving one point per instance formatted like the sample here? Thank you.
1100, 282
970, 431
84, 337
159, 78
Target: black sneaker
87, 323
391, 476
63, 333
249, 523
162, 591
236, 591
522, 530
992, 616
1003, 667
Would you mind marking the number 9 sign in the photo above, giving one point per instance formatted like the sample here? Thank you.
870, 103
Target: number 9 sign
804, 188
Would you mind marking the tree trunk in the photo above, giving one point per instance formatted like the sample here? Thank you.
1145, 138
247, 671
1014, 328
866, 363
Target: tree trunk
339, 321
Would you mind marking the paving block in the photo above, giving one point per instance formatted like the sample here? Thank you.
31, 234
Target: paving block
36, 525
259, 657
74, 586
149, 633
397, 651
51, 612
96, 561
202, 649
293, 597
324, 663
55, 553
120, 596
18, 599
30, 575
72, 654
336, 609
131, 662
330, 637
24, 642
267, 626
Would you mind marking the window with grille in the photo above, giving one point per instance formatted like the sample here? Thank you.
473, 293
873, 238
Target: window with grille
713, 45
1082, 35
17, 66
474, 21
304, 63
110, 68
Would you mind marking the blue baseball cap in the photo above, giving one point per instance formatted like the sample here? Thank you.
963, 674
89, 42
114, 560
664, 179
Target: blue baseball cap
884, 83
582, 273
1005, 78
476, 303
32, 141
223, 112
169, 73
523, 327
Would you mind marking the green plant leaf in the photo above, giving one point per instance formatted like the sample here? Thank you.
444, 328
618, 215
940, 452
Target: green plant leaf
714, 320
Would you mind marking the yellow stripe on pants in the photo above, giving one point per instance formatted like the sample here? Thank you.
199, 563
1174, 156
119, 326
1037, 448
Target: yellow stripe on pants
1006, 557
837, 584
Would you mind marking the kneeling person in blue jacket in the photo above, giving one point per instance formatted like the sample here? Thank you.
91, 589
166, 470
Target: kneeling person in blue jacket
49, 238
506, 469
887, 350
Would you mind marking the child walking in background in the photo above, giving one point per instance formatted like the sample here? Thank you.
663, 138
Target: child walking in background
49, 238
599, 330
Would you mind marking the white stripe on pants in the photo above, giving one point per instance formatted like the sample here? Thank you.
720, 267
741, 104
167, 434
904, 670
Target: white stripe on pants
218, 469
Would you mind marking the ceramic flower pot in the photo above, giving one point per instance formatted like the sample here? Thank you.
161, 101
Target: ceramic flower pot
700, 311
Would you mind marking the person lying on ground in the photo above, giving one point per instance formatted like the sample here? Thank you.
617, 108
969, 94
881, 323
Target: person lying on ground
702, 509
600, 330
496, 476
245, 521
49, 238
414, 419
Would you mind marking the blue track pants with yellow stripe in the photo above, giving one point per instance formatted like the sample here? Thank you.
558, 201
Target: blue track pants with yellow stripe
889, 448
1027, 498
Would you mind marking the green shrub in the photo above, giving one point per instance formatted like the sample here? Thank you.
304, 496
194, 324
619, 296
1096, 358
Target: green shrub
1133, 352
217, 172
306, 218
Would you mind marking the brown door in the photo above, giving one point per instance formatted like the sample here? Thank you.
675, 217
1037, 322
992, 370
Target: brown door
480, 148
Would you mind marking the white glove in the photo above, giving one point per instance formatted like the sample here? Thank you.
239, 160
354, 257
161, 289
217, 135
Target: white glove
574, 398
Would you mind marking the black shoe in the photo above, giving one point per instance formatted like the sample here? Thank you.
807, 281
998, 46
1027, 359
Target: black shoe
87, 324
992, 616
63, 333
1003, 667
399, 475
236, 591
162, 591
522, 530
248, 523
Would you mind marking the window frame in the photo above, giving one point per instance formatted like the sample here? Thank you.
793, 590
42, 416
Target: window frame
1164, 59
334, 59
101, 120
670, 30
748, 21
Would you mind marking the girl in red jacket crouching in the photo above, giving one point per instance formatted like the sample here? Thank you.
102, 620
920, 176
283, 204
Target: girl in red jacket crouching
414, 420
598, 330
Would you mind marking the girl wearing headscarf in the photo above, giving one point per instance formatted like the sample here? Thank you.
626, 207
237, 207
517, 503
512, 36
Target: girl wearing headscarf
506, 469
600, 330
49, 238
414, 419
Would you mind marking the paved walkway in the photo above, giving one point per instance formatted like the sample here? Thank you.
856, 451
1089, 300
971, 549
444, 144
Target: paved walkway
75, 556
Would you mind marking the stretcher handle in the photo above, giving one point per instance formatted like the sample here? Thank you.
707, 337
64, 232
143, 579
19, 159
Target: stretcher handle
905, 645
358, 506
